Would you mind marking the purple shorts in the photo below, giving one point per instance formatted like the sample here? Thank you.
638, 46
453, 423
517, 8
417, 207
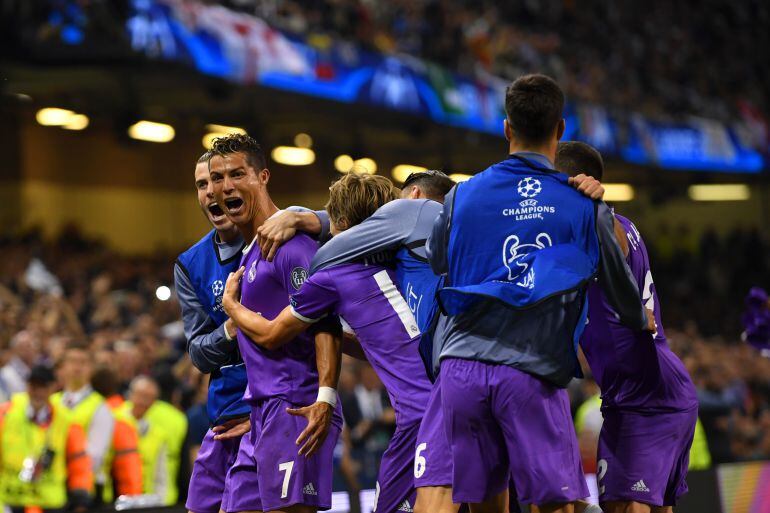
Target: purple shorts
269, 474
644, 457
432, 464
502, 422
207, 483
395, 480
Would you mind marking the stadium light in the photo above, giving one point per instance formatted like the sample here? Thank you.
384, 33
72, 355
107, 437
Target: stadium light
459, 177
224, 129
163, 293
215, 131
618, 192
303, 141
402, 171
343, 163
77, 122
364, 166
293, 156
53, 116
719, 192
151, 131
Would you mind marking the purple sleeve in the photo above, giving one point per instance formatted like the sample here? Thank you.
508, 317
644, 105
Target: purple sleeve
317, 298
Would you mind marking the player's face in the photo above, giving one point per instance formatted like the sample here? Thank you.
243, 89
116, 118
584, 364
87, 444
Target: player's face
205, 190
238, 187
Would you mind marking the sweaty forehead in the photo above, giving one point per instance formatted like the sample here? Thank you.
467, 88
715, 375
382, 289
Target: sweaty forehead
222, 163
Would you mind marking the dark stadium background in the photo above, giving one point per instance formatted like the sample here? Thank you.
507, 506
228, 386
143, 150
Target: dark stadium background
675, 95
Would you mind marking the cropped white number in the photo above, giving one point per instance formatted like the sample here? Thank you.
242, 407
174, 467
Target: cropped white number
396, 300
286, 469
376, 495
647, 297
419, 461
601, 471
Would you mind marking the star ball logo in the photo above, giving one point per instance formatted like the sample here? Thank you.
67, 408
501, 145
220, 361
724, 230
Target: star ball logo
529, 187
529, 208
218, 288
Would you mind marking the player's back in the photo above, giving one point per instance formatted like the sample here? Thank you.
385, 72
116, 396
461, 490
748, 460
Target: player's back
288, 372
634, 370
367, 299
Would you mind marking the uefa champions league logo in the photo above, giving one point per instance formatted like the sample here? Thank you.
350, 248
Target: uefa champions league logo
218, 288
514, 252
529, 187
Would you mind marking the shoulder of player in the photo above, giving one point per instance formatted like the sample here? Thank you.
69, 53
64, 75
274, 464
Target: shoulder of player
206, 239
401, 207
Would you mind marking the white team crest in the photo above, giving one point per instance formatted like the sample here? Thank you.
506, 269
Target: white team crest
529, 187
252, 271
217, 287
514, 251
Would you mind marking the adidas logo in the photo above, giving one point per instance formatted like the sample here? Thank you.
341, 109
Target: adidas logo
309, 489
405, 506
639, 486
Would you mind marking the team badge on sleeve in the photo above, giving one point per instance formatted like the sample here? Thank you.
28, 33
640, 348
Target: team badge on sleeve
298, 277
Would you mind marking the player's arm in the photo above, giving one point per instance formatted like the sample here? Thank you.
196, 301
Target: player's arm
278, 229
264, 333
438, 242
615, 277
210, 346
387, 229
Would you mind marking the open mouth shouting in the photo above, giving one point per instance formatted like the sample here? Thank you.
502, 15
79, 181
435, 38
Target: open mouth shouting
234, 206
216, 214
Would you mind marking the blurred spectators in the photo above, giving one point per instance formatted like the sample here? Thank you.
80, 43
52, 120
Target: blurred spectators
608, 52
660, 58
108, 301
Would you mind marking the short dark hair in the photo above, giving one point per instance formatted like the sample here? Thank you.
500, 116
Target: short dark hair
575, 157
205, 157
41, 375
235, 143
105, 382
433, 183
534, 106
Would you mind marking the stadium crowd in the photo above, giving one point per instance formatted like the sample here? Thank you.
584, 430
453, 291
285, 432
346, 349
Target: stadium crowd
55, 293
600, 52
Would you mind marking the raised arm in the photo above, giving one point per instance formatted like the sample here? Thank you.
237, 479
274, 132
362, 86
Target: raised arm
282, 227
387, 229
208, 345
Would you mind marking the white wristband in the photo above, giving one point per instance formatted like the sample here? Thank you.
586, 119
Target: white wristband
327, 395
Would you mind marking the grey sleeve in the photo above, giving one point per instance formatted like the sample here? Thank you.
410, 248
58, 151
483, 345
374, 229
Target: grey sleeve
436, 247
388, 228
207, 345
322, 216
615, 277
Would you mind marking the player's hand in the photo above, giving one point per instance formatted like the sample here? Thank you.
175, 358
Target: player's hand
588, 186
232, 290
274, 232
233, 428
652, 325
319, 418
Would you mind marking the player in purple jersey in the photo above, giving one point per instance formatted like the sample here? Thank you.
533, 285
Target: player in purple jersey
271, 471
649, 402
367, 300
210, 347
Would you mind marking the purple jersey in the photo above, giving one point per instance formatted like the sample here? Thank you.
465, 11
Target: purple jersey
289, 372
366, 298
634, 370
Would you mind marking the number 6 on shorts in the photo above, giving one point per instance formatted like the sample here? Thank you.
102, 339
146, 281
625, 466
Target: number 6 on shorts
286, 469
419, 461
